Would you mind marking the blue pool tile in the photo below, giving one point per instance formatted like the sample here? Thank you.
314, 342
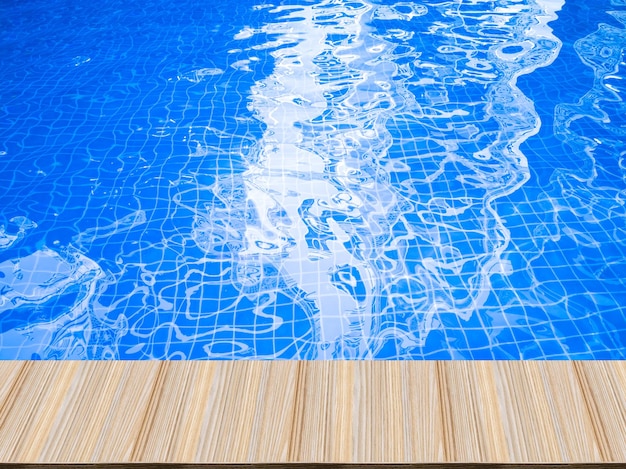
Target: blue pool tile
318, 180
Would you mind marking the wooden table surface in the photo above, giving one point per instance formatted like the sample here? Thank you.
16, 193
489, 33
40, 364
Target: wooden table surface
313, 412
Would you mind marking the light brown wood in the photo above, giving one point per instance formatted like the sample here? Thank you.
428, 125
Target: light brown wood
313, 412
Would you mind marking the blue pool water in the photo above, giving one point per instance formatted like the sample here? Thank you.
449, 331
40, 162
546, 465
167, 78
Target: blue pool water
313, 179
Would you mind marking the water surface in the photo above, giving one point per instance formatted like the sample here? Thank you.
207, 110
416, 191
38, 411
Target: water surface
314, 179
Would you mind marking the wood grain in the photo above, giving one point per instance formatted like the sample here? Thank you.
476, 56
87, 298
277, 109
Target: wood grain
251, 412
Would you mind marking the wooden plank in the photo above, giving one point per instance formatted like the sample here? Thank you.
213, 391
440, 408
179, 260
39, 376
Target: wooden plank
286, 412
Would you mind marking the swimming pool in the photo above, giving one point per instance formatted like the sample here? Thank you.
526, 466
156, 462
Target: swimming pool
313, 179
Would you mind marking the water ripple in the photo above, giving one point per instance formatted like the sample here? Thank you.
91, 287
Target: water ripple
383, 226
331, 179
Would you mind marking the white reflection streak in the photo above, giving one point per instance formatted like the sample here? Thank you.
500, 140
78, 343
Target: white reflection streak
287, 174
